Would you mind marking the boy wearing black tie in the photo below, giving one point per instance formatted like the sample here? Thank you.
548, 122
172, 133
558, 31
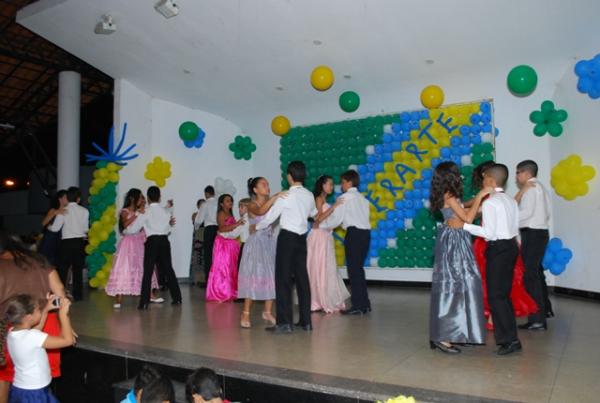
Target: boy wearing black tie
290, 257
500, 217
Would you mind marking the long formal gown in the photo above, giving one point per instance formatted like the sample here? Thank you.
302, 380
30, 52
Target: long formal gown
456, 311
522, 302
327, 289
223, 277
49, 245
256, 278
128, 265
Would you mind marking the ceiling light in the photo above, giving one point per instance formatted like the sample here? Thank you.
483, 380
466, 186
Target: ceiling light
429, 61
317, 42
105, 26
279, 88
347, 76
167, 8
9, 183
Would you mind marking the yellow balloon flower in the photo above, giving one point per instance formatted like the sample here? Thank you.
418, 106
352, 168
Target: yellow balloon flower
158, 171
570, 177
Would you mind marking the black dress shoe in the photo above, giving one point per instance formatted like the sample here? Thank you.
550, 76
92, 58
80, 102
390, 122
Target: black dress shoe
280, 329
509, 348
550, 314
533, 326
355, 311
142, 307
178, 302
443, 348
307, 327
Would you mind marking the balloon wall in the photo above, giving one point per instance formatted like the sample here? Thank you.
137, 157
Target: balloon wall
395, 155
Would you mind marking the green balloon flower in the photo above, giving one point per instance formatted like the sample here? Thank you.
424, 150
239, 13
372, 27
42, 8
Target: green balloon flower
242, 147
548, 120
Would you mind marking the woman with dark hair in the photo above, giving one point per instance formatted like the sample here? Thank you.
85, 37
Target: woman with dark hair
327, 289
256, 279
128, 263
25, 272
51, 240
456, 311
522, 302
222, 280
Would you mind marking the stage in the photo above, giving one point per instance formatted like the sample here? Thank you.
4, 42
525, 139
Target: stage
358, 358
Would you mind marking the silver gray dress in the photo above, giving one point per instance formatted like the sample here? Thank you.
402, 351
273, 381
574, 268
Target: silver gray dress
456, 312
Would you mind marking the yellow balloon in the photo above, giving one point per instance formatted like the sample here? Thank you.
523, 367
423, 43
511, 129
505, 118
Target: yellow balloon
280, 125
588, 172
94, 282
111, 166
432, 97
322, 78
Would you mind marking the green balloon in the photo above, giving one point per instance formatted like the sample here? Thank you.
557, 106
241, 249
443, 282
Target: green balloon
540, 129
522, 80
555, 129
188, 131
349, 101
547, 106
536, 117
561, 115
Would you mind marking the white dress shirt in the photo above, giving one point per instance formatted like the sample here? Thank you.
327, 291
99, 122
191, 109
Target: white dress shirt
534, 208
242, 231
293, 209
353, 212
207, 213
74, 223
500, 218
155, 221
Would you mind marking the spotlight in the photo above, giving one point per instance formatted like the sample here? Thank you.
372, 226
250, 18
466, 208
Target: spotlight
9, 183
167, 8
105, 26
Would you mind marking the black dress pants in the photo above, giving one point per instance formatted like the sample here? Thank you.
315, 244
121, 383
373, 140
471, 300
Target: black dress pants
500, 257
290, 266
157, 252
356, 247
533, 247
71, 255
210, 233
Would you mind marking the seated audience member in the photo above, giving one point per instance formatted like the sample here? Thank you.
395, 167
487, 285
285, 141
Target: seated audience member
203, 386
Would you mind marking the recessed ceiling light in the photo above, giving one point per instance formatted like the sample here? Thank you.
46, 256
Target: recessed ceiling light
347, 76
279, 88
167, 8
317, 42
105, 26
429, 61
186, 71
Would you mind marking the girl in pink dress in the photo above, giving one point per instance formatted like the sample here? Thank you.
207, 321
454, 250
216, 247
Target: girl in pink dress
223, 277
128, 263
327, 289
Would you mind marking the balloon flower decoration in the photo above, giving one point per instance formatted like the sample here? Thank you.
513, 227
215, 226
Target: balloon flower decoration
349, 101
522, 80
569, 177
280, 125
242, 147
224, 186
588, 72
102, 236
191, 134
556, 257
548, 120
158, 171
322, 78
432, 97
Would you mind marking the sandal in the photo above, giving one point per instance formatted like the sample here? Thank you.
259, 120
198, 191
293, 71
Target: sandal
245, 321
268, 316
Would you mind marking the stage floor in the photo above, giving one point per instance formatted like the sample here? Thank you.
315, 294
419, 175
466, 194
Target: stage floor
381, 354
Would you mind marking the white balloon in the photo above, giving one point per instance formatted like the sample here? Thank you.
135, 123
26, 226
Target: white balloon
337, 188
465, 160
391, 242
354, 167
387, 128
374, 262
370, 149
426, 203
487, 138
408, 223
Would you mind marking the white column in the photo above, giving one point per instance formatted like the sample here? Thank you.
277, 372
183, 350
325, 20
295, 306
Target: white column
69, 106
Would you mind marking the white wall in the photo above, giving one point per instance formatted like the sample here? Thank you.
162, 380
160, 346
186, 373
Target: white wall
153, 125
576, 222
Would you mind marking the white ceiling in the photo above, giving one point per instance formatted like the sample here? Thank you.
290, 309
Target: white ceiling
238, 51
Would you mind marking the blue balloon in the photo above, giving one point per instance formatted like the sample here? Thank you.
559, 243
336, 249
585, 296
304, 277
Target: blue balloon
425, 114
581, 68
362, 169
415, 116
475, 118
564, 256
417, 183
435, 162
456, 159
594, 93
476, 139
547, 260
426, 193
455, 151
387, 157
486, 118
405, 126
387, 138
585, 84
391, 215
486, 128
557, 268
405, 117
189, 143
387, 147
465, 150
419, 203
496, 131
396, 128
362, 187
400, 215
417, 195
408, 204
464, 129
382, 243
372, 252
391, 233
454, 141
485, 107
371, 158
378, 149
399, 204
427, 173
444, 152
410, 213
555, 245
476, 129
465, 140
396, 146
414, 125
379, 166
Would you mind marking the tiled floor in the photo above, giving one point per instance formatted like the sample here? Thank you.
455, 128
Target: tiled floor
388, 346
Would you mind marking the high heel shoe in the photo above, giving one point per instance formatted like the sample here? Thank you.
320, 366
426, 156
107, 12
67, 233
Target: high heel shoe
443, 348
245, 321
268, 317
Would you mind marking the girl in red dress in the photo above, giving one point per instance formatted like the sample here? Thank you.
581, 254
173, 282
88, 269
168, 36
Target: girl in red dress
522, 302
